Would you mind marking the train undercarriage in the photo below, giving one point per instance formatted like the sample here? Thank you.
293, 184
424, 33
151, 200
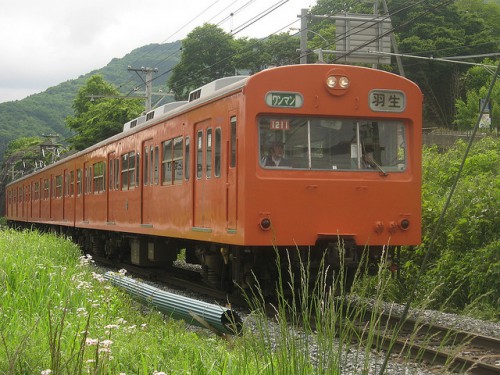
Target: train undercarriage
228, 268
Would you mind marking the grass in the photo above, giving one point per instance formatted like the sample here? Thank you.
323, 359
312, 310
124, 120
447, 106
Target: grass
58, 316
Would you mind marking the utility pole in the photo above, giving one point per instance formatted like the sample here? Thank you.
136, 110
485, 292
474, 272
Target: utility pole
395, 45
148, 82
303, 36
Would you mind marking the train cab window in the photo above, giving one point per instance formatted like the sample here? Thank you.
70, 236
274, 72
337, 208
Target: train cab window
188, 158
333, 144
233, 141
208, 156
218, 151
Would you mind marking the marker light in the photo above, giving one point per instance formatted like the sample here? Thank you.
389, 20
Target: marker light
331, 82
404, 224
265, 223
344, 82
337, 82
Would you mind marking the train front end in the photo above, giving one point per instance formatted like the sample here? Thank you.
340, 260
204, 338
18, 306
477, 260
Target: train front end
333, 161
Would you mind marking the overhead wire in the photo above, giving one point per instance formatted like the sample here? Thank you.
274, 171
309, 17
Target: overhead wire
268, 11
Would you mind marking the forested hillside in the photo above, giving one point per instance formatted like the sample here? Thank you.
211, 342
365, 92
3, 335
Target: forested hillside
44, 113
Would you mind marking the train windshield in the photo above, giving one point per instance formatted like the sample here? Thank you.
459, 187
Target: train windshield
333, 144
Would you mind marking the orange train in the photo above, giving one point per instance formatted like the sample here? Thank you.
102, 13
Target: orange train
296, 157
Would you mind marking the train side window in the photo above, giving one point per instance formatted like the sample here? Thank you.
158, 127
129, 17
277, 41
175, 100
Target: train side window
58, 186
111, 177
166, 164
151, 165
46, 186
145, 170
218, 150
124, 172
79, 182
87, 180
208, 156
157, 165
178, 160
99, 179
187, 157
233, 141
131, 170
37, 191
199, 154
137, 168
117, 173
71, 183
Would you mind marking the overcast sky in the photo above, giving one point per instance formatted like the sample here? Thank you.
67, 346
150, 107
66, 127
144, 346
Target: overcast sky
44, 43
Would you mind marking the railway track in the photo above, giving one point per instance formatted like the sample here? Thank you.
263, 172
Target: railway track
441, 348
438, 347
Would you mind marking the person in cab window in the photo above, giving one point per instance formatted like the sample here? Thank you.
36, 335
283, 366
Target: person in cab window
276, 156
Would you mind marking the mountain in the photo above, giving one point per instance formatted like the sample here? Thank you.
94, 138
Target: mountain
44, 113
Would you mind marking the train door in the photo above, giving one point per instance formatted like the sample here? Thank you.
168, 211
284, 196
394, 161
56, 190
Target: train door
150, 165
232, 176
206, 187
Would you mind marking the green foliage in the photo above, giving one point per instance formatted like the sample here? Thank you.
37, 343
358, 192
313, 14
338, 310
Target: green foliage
466, 256
58, 313
437, 30
207, 54
45, 113
428, 29
477, 81
98, 118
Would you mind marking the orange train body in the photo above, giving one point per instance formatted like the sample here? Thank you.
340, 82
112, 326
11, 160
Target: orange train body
200, 175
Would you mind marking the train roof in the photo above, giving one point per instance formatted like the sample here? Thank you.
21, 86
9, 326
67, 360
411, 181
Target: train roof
207, 92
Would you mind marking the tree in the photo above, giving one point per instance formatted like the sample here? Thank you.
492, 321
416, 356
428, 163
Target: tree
281, 49
98, 118
477, 82
207, 54
440, 29
434, 28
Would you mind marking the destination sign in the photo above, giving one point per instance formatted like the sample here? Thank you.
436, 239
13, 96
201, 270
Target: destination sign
284, 99
387, 101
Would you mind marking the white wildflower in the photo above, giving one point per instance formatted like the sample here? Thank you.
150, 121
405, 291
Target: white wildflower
46, 372
99, 277
91, 342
